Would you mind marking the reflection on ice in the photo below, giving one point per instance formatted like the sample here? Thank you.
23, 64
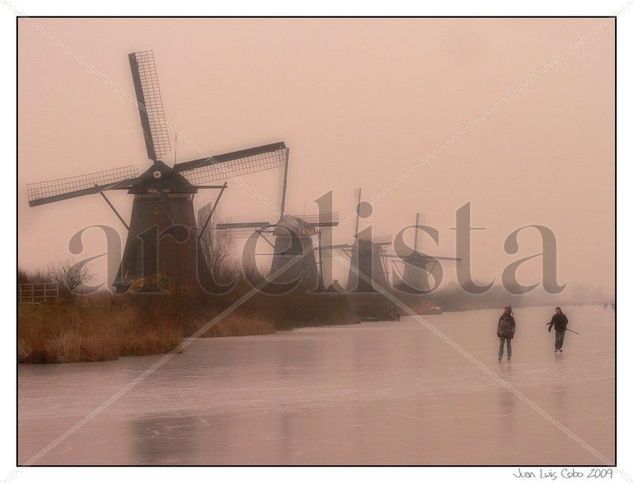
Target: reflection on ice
164, 439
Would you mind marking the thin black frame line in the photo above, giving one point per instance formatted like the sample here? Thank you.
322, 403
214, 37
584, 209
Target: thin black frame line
615, 37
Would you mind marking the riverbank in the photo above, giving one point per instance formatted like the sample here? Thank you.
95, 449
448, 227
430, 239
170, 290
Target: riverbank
106, 327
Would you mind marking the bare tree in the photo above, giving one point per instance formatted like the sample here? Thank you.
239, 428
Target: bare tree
70, 276
216, 247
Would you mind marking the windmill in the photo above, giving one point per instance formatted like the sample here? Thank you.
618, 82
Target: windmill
417, 267
293, 251
367, 258
163, 239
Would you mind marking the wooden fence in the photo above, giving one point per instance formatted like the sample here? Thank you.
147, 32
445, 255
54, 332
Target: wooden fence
38, 293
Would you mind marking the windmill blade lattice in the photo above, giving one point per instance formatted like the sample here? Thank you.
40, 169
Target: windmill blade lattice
150, 104
163, 196
320, 219
44, 192
230, 165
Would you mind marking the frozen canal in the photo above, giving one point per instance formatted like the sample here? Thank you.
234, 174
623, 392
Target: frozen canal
374, 393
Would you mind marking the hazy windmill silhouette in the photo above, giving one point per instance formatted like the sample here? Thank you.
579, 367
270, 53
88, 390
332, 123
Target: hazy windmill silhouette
163, 195
367, 257
293, 253
417, 265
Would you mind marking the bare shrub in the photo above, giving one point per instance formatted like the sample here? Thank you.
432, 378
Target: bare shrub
216, 248
70, 276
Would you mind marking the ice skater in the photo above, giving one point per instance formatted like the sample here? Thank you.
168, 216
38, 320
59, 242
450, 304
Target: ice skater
505, 331
559, 321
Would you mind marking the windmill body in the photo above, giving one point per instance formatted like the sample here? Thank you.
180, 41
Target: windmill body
162, 237
294, 254
367, 269
415, 273
417, 266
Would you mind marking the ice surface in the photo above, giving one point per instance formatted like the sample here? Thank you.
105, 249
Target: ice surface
374, 393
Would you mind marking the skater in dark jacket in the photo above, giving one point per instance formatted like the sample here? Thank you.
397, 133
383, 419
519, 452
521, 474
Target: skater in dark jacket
505, 331
559, 321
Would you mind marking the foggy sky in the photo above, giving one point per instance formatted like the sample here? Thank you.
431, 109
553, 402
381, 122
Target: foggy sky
358, 102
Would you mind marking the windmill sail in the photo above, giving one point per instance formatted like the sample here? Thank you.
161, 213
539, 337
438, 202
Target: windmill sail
206, 237
415, 234
230, 165
150, 104
59, 189
359, 191
204, 214
319, 219
238, 226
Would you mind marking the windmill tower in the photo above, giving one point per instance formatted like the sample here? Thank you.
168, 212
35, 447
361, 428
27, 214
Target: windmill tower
294, 251
163, 239
417, 266
367, 258
294, 254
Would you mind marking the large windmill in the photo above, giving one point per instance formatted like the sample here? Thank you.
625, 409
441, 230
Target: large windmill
294, 256
417, 266
163, 239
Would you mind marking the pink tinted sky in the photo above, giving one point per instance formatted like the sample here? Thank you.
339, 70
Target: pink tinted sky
359, 102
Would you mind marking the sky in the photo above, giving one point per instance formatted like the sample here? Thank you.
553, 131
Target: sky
514, 116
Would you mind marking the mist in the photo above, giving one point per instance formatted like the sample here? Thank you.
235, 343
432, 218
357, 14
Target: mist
365, 103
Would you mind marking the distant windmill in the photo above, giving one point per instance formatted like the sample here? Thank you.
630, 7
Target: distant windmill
367, 259
293, 254
417, 266
163, 195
